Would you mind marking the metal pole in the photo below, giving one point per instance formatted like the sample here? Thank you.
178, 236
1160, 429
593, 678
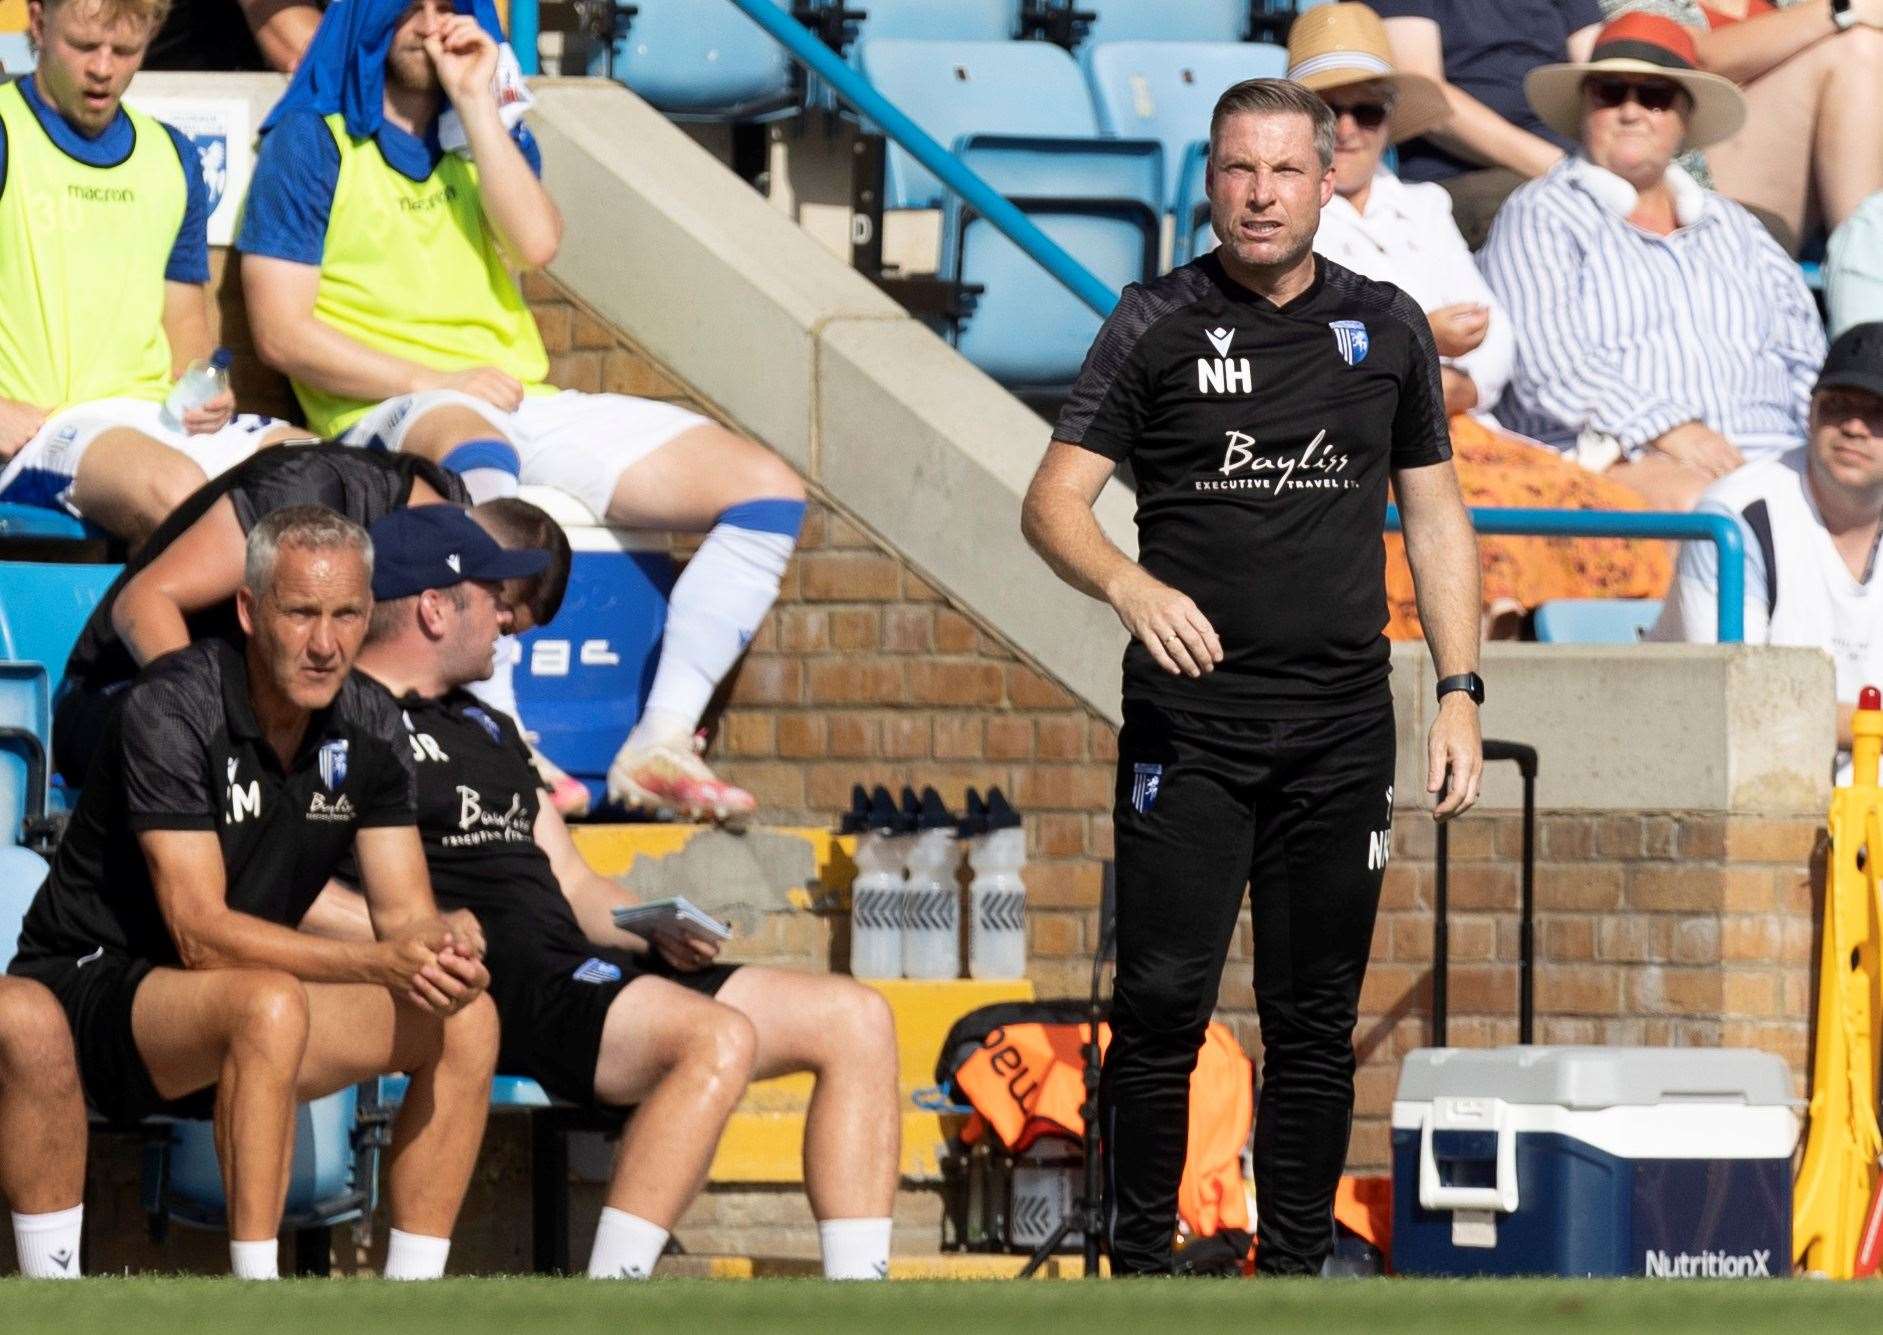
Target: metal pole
1441, 933
1722, 532
525, 23
854, 89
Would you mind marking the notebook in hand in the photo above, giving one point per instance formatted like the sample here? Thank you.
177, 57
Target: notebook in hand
681, 915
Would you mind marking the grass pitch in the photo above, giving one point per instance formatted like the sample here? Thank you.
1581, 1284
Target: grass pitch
727, 1307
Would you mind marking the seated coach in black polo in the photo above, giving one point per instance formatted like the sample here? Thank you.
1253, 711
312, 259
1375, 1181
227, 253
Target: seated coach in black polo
229, 786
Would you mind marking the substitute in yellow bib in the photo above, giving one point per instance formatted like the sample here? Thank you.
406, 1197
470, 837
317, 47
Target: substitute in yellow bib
377, 265
104, 266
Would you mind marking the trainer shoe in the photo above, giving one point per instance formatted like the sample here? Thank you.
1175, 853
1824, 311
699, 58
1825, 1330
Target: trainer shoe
671, 780
569, 796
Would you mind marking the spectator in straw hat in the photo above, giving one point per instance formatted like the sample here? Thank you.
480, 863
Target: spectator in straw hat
1388, 229
1663, 337
1402, 233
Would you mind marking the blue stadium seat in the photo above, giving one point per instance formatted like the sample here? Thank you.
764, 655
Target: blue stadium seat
1099, 199
953, 89
332, 1178
43, 606
1166, 90
937, 20
21, 872
701, 60
1166, 20
1596, 620
35, 521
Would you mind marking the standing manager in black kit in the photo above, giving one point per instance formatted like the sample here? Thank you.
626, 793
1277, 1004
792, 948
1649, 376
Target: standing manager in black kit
1263, 396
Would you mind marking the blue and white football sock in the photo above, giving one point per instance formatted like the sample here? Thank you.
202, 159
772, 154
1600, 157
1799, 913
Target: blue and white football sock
714, 610
489, 467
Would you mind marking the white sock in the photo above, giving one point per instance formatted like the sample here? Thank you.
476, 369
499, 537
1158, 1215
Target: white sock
715, 609
48, 1243
499, 690
488, 467
854, 1248
626, 1246
415, 1256
255, 1260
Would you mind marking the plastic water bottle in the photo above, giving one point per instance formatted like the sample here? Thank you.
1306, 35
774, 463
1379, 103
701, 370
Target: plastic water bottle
996, 896
876, 893
198, 385
931, 903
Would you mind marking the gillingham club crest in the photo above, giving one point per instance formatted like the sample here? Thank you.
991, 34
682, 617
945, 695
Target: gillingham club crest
1350, 337
333, 764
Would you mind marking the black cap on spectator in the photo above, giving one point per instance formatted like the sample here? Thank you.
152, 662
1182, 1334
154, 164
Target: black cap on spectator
1855, 360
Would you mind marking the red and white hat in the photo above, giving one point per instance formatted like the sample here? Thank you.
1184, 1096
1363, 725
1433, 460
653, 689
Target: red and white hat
1640, 44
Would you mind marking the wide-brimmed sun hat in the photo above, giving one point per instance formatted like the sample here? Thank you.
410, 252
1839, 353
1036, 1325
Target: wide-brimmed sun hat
1642, 44
1332, 46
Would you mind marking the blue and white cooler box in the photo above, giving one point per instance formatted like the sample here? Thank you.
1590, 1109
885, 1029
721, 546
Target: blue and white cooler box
585, 676
1673, 1163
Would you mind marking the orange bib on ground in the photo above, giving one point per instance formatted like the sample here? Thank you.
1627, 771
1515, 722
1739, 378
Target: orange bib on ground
1027, 1081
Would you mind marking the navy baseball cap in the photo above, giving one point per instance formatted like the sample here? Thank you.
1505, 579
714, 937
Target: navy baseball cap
436, 546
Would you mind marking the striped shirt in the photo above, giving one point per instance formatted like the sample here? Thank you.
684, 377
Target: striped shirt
1623, 335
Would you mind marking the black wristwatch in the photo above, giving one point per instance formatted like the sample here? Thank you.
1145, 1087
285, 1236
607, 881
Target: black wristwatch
1842, 14
1468, 682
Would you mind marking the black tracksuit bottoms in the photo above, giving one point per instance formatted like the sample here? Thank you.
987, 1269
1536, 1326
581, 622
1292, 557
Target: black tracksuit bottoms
1299, 811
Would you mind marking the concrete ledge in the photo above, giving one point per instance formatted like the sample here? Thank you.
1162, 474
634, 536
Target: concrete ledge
1652, 727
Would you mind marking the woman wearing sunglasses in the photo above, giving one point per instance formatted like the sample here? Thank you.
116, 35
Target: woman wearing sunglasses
1811, 149
1663, 337
1404, 234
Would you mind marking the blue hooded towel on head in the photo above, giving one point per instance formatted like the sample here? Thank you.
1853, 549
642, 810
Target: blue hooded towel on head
344, 69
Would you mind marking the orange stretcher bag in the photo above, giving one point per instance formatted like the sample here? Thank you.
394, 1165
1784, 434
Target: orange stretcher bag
1026, 1081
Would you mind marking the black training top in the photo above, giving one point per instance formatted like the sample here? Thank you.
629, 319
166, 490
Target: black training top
477, 805
364, 485
186, 753
1261, 438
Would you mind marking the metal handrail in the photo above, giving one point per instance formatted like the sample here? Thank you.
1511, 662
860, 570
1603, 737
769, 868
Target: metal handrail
1722, 532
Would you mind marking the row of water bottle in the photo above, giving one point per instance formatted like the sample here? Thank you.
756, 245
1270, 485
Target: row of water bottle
905, 904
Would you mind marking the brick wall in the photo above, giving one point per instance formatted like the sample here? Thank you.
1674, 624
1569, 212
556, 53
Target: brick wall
1652, 928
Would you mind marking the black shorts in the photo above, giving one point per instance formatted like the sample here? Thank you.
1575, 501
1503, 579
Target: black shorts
96, 992
554, 1001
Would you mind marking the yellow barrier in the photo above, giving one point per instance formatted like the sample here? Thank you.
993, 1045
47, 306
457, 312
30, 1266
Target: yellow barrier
1839, 1171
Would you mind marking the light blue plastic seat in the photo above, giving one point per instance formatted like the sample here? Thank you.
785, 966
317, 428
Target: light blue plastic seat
1018, 115
1166, 20
1167, 90
44, 606
35, 521
952, 89
21, 873
329, 1181
1596, 620
25, 745
702, 60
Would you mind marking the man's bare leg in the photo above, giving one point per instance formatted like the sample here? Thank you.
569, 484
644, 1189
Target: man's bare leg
128, 483
844, 1034
356, 1032
245, 1031
42, 1131
684, 1060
